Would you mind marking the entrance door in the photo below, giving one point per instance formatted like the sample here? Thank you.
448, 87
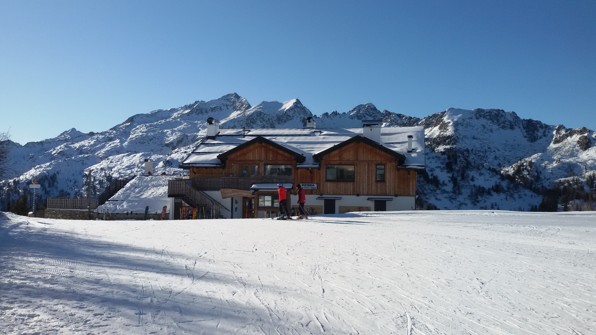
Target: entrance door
380, 205
329, 207
248, 209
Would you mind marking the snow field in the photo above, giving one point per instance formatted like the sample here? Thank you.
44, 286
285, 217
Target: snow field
464, 272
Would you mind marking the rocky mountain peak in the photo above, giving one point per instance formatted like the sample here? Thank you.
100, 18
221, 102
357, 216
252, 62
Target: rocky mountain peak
366, 111
580, 135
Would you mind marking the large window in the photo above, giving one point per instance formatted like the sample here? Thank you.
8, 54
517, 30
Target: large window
278, 170
268, 201
249, 170
380, 172
340, 173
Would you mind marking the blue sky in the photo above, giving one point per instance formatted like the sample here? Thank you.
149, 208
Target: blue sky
92, 64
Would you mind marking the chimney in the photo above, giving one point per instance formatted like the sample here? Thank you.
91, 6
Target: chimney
371, 129
212, 128
311, 123
410, 140
148, 167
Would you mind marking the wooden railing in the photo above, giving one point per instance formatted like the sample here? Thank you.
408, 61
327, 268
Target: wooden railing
183, 188
69, 203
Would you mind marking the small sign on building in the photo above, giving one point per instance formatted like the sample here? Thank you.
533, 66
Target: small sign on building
309, 186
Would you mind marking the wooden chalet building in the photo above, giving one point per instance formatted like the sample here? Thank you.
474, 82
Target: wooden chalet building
233, 173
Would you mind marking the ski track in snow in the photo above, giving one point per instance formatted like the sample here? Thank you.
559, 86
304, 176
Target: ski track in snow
476, 272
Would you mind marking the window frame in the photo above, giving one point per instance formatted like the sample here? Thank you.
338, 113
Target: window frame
343, 176
268, 201
267, 169
252, 170
383, 176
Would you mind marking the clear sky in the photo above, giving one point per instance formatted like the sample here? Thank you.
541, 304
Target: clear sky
91, 64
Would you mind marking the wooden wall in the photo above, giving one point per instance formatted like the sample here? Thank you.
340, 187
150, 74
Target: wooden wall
256, 154
365, 158
398, 181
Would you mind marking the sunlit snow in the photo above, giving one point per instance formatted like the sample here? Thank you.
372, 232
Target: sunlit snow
477, 272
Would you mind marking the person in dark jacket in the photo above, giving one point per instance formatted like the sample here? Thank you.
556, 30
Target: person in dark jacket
301, 202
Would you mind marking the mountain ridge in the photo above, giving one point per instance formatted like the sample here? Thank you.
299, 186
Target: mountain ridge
476, 159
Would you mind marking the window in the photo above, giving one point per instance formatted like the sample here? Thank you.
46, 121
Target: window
340, 173
268, 201
380, 172
249, 170
278, 170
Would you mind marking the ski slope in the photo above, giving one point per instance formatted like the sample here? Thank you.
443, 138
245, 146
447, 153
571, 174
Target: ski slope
443, 272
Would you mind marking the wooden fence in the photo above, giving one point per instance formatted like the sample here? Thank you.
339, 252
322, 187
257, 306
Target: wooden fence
68, 203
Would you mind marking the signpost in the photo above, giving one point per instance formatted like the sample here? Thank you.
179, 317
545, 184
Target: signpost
88, 181
34, 186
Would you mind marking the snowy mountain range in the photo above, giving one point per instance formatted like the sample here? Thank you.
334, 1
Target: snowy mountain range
476, 159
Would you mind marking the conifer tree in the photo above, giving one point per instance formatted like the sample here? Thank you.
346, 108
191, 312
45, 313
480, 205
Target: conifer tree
21, 207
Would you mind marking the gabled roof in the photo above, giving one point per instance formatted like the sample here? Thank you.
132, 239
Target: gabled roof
308, 145
361, 139
260, 139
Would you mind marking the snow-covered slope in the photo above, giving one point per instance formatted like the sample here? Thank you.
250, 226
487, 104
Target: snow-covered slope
475, 158
164, 136
431, 272
494, 159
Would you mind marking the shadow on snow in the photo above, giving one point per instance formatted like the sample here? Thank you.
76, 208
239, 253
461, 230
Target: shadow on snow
83, 284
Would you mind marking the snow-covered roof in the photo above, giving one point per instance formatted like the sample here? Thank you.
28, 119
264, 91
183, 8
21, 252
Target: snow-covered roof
139, 193
307, 142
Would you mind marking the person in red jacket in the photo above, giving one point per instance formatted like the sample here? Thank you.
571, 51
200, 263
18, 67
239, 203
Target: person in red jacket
283, 203
301, 202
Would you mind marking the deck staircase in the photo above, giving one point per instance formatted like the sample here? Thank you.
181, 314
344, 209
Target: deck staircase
183, 189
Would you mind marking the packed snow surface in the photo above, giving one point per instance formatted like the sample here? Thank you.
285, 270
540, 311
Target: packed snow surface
460, 272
